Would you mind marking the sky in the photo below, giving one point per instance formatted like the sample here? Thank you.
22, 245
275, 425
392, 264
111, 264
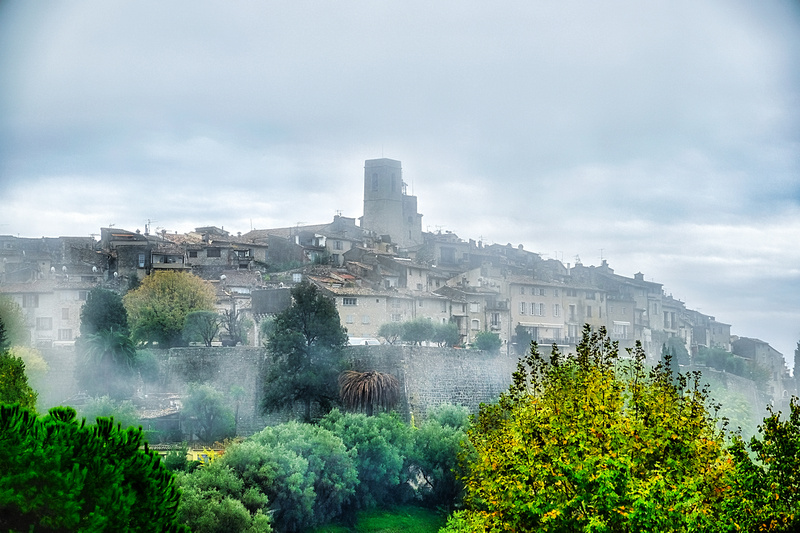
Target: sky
663, 136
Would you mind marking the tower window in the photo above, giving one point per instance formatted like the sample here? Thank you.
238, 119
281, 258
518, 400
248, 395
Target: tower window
375, 181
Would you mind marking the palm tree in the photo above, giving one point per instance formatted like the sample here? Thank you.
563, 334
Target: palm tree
363, 391
108, 364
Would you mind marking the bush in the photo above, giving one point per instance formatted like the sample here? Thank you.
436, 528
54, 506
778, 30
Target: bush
487, 341
380, 445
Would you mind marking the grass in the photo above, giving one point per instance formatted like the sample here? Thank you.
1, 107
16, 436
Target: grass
406, 519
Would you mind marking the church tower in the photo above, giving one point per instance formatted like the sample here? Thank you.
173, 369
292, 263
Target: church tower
388, 210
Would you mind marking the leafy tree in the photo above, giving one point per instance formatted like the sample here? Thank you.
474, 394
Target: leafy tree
380, 445
391, 331
15, 332
766, 492
585, 444
677, 349
103, 311
434, 457
157, 309
206, 414
306, 472
61, 475
123, 412
236, 324
305, 353
14, 386
215, 500
364, 391
201, 326
35, 365
487, 341
522, 339
446, 334
107, 364
417, 331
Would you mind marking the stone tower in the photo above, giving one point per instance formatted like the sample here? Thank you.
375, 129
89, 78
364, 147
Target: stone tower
388, 210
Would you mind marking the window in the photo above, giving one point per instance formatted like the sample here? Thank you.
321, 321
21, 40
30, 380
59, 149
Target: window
397, 318
65, 313
141, 260
556, 309
555, 292
533, 309
419, 286
588, 311
44, 323
349, 319
541, 309
444, 307
213, 252
474, 307
30, 300
522, 308
589, 295
476, 324
83, 295
522, 290
572, 313
65, 334
337, 245
542, 292
495, 319
365, 319
349, 301
192, 253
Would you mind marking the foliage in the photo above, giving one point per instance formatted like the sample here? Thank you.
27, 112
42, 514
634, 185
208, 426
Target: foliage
580, 445
103, 311
677, 349
418, 331
434, 457
106, 364
446, 334
364, 391
202, 326
266, 327
306, 472
236, 326
522, 339
720, 359
400, 519
391, 331
766, 492
60, 475
14, 387
215, 500
13, 321
380, 445
487, 341
796, 368
146, 362
305, 351
157, 309
123, 412
35, 365
206, 414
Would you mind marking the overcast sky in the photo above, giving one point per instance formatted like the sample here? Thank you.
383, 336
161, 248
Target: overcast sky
664, 136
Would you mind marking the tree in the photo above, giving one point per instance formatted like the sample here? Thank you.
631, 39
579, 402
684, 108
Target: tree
107, 364
487, 341
592, 444
15, 332
236, 324
201, 326
14, 386
206, 414
123, 412
446, 334
364, 391
103, 311
391, 331
305, 353
157, 309
417, 331
61, 475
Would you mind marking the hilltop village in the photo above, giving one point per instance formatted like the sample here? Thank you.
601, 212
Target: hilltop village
380, 269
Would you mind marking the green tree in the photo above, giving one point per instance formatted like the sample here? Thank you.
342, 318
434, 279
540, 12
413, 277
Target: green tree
522, 339
61, 475
14, 386
487, 341
35, 365
215, 500
446, 334
107, 364
123, 412
206, 413
391, 331
587, 444
434, 458
380, 446
364, 391
157, 309
201, 326
305, 353
16, 334
418, 331
103, 311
